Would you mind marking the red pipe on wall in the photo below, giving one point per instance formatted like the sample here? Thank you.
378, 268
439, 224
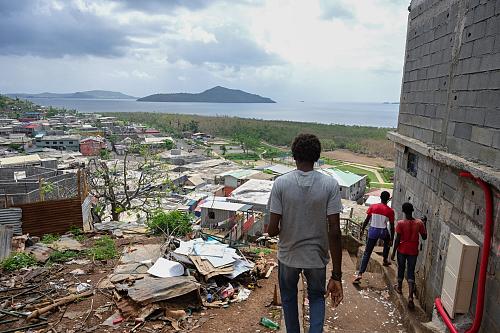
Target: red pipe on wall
478, 317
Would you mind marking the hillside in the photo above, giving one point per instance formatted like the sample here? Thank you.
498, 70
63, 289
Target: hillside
214, 95
91, 94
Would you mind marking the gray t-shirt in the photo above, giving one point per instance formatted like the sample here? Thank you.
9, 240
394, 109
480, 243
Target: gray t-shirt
304, 200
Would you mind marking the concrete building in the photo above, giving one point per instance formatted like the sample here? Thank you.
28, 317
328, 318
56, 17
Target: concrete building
92, 146
59, 142
449, 123
352, 186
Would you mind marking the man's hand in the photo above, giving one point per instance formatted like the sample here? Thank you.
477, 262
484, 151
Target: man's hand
334, 289
392, 256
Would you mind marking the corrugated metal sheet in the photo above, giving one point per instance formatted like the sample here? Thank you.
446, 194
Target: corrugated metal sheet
12, 217
6, 233
87, 213
51, 217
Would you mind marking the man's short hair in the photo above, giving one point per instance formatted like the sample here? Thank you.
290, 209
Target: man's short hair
407, 208
306, 148
385, 196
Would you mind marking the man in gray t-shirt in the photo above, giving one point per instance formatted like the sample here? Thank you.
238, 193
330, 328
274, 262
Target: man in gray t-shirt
304, 207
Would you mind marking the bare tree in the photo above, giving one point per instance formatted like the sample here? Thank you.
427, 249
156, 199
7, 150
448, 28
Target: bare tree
138, 182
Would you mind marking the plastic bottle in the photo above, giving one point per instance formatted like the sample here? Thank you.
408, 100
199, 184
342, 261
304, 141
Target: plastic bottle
209, 298
264, 321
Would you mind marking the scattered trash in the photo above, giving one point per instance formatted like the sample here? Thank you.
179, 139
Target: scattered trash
81, 287
77, 271
266, 322
166, 268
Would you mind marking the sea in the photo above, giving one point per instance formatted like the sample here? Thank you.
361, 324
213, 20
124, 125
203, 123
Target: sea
362, 114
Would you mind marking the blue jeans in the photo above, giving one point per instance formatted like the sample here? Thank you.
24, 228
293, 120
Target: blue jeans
403, 261
316, 280
370, 245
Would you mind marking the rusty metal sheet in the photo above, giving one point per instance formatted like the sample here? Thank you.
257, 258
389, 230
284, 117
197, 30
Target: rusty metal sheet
12, 217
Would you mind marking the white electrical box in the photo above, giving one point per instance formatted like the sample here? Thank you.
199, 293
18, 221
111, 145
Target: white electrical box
459, 273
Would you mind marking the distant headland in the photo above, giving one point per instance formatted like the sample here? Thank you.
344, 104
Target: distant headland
214, 95
90, 94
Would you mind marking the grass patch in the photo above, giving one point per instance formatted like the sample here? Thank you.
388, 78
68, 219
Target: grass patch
241, 156
17, 261
387, 174
77, 233
358, 171
63, 256
173, 223
261, 250
50, 238
331, 161
103, 249
381, 185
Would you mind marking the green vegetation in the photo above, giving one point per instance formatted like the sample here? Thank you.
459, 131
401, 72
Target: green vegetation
17, 260
174, 223
63, 256
331, 161
361, 139
50, 238
381, 185
103, 249
262, 250
242, 156
387, 174
77, 233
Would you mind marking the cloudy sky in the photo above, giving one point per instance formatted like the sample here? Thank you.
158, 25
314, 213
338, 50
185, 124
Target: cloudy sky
325, 50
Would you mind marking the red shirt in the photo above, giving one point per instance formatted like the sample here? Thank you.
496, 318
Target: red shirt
380, 214
409, 231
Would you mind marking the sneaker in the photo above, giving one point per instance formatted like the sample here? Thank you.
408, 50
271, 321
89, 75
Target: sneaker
357, 279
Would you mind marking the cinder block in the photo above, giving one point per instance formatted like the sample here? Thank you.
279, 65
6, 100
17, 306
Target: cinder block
469, 65
496, 139
475, 116
462, 131
460, 82
482, 135
478, 81
465, 98
489, 62
465, 50
457, 114
494, 80
483, 46
493, 25
475, 31
488, 98
484, 11
492, 118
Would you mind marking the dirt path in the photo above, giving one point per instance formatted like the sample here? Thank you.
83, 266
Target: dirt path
244, 317
365, 309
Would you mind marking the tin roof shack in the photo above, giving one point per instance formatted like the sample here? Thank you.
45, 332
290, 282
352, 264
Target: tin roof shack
449, 130
352, 186
156, 142
254, 192
235, 178
180, 157
233, 219
277, 170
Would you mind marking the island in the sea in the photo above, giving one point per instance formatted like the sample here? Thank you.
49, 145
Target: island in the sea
214, 95
90, 94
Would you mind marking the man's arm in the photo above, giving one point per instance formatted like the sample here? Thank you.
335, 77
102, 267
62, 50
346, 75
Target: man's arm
396, 244
365, 223
391, 227
335, 241
274, 225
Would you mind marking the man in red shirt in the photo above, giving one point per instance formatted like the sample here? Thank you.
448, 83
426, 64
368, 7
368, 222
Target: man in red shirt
379, 216
406, 244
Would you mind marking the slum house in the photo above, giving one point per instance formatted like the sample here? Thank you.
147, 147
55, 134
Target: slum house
233, 220
447, 155
50, 200
234, 178
180, 157
92, 146
276, 170
255, 193
352, 186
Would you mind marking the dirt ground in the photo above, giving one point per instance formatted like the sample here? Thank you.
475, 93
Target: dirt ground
345, 155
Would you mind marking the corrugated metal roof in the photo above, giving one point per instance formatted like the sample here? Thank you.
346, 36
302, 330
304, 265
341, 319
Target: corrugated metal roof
223, 205
12, 217
254, 191
6, 233
344, 178
22, 159
279, 169
239, 174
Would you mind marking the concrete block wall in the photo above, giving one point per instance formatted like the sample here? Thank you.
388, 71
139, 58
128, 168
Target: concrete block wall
450, 94
452, 204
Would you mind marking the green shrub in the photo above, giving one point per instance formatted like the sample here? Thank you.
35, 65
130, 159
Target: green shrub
63, 256
174, 223
17, 260
77, 233
103, 249
49, 238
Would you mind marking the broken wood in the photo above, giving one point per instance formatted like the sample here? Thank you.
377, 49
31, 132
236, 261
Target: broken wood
58, 302
270, 270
